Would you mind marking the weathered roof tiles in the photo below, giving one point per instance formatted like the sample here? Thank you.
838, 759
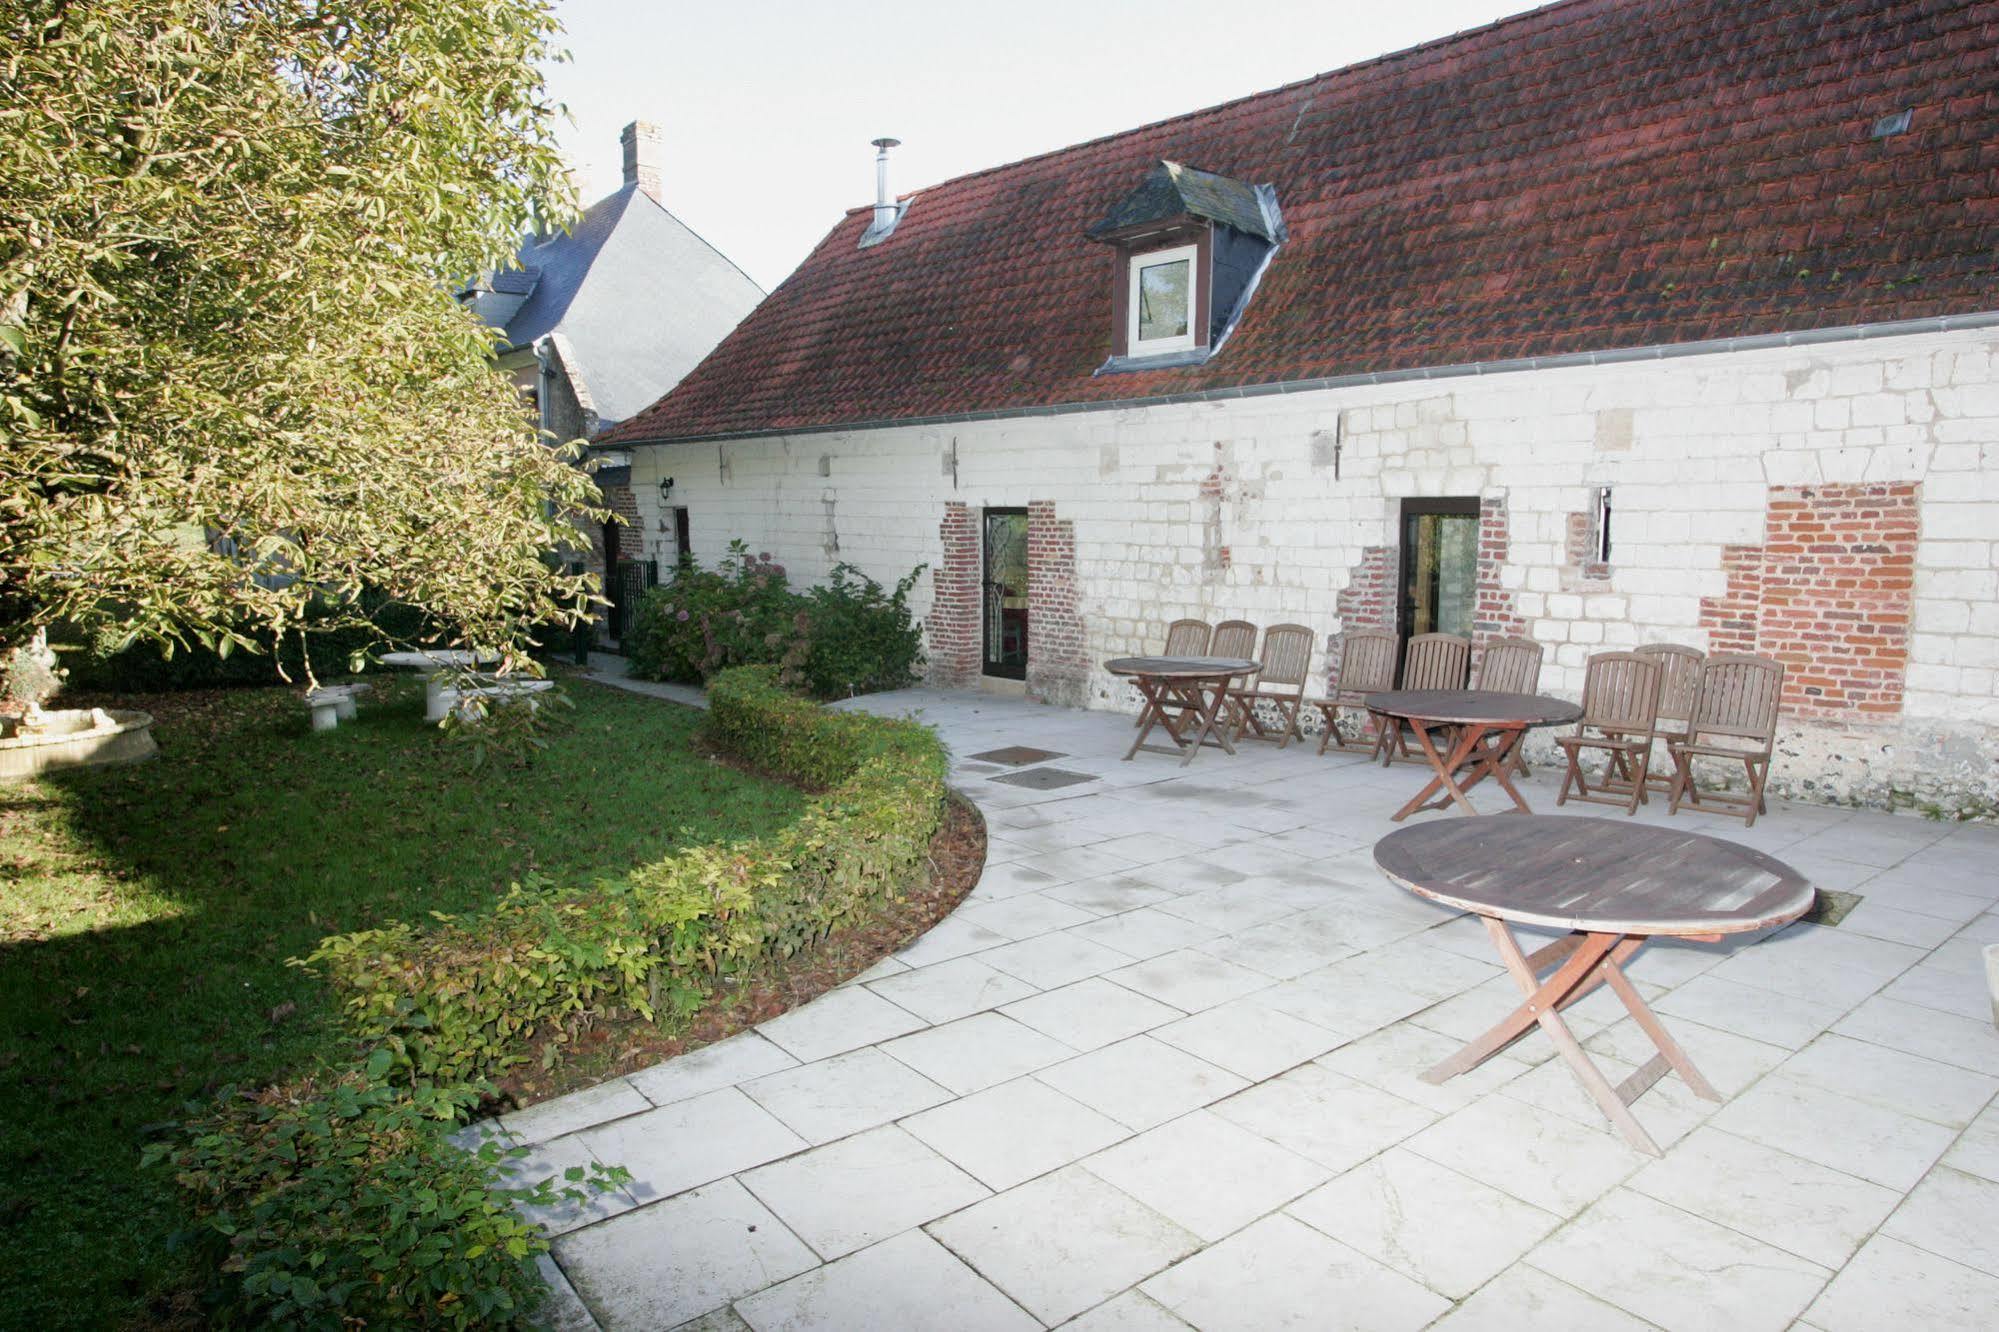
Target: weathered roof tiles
1596, 174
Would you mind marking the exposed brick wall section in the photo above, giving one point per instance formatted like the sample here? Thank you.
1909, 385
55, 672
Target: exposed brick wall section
952, 629
1582, 542
1366, 602
1730, 619
621, 501
1058, 667
1494, 612
1829, 594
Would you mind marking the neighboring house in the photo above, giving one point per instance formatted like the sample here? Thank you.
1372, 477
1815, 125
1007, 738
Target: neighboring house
601, 320
1615, 322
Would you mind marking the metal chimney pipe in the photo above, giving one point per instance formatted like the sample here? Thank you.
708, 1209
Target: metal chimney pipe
884, 204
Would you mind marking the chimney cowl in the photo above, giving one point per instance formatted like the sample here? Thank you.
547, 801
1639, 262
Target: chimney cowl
643, 143
888, 211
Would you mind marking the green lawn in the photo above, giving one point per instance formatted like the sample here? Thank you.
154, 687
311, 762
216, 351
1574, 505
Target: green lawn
146, 914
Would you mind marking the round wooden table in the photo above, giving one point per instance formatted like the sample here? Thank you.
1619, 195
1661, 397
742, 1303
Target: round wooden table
1613, 885
1486, 729
1184, 695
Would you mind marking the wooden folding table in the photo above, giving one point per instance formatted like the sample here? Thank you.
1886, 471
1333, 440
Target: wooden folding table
1184, 695
1613, 885
1485, 729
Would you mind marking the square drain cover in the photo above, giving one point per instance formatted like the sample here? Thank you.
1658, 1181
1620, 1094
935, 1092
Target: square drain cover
1044, 779
1018, 755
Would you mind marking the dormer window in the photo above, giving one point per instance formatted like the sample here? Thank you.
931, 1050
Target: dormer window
1162, 301
1192, 246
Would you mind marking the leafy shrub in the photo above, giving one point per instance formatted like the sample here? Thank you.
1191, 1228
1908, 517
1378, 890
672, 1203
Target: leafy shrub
848, 636
340, 1203
860, 637
702, 621
464, 999
97, 662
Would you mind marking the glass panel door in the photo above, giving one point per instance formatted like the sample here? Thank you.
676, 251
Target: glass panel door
1439, 567
1006, 593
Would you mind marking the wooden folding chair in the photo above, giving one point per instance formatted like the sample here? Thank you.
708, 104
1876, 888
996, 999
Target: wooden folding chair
1620, 710
1367, 666
1679, 685
1184, 638
1511, 666
1431, 661
1734, 718
1234, 638
1287, 663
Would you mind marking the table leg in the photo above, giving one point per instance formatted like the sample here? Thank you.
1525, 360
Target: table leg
1212, 711
1497, 761
433, 696
1467, 738
1151, 715
1587, 959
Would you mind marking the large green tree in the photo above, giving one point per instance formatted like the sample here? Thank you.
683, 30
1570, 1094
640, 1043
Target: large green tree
228, 234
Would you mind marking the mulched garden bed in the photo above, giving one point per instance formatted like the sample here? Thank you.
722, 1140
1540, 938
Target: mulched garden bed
607, 1050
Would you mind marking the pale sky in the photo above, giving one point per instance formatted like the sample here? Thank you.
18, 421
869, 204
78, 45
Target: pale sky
768, 106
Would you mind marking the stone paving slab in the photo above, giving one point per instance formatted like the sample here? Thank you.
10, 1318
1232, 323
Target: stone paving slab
1159, 1071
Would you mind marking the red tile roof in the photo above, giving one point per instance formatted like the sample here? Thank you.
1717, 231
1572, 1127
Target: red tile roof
1593, 175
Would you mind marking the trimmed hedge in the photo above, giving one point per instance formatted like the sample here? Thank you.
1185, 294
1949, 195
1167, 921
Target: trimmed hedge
462, 1000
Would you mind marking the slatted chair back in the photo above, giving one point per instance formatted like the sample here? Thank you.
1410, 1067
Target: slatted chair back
1188, 638
1620, 694
1287, 656
1436, 661
1738, 697
1234, 638
1367, 662
1510, 666
1679, 677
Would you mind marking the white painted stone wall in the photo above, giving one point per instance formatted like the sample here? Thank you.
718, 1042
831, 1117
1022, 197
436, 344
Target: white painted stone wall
1690, 446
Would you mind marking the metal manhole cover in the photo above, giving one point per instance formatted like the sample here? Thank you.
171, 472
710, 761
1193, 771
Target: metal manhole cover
1016, 756
1045, 779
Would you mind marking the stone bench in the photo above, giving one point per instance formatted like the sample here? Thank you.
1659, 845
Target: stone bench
471, 704
332, 704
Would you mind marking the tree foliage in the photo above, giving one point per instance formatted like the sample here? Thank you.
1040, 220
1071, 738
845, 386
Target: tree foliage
228, 233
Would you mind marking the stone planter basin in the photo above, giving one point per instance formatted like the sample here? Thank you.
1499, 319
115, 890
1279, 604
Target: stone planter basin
74, 738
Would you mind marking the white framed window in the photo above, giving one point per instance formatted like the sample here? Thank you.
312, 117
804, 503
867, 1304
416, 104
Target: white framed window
1162, 313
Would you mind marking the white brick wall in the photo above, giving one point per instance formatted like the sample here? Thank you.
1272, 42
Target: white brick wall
1690, 447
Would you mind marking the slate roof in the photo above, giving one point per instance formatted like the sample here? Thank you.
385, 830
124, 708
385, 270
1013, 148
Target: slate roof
1171, 190
1596, 174
640, 297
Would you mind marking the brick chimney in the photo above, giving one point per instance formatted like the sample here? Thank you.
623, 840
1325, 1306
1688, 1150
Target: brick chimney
643, 143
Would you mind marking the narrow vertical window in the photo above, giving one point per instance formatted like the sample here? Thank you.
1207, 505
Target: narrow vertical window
1603, 525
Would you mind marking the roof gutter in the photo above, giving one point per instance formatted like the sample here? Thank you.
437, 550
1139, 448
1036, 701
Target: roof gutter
1665, 351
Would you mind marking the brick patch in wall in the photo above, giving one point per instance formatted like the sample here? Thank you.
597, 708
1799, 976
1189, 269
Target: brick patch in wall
1730, 619
952, 630
1057, 662
1580, 555
1829, 593
1367, 601
621, 501
1494, 613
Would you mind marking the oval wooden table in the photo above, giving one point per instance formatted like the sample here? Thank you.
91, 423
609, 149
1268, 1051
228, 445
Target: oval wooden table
1184, 695
1486, 728
1613, 885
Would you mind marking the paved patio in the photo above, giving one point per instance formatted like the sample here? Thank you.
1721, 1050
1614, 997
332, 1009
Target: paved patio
1160, 1070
